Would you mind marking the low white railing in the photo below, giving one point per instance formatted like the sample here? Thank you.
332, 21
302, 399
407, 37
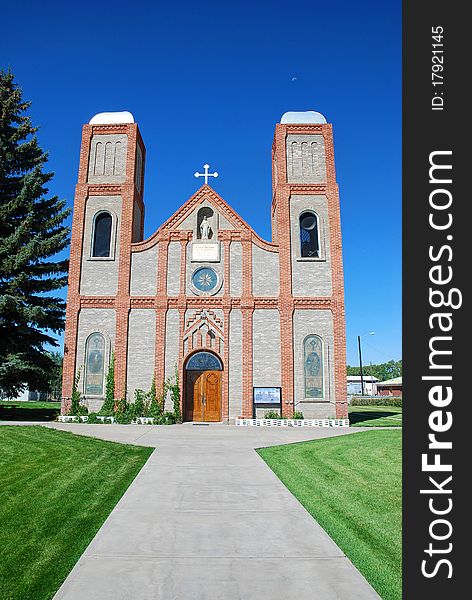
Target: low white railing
293, 422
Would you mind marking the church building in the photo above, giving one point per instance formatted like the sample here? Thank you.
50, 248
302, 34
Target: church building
237, 317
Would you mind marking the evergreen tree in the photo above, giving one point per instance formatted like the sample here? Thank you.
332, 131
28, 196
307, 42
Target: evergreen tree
31, 234
55, 376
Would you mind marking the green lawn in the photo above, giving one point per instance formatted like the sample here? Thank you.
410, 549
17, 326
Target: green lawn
29, 411
352, 486
375, 416
56, 490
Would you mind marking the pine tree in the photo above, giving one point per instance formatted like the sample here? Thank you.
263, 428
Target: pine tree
31, 235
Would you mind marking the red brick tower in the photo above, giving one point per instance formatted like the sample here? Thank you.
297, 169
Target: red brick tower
111, 176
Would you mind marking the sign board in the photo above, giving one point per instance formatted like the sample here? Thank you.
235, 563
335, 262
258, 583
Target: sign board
205, 252
266, 397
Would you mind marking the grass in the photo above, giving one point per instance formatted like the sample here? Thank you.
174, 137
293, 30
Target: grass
56, 490
375, 416
29, 411
352, 486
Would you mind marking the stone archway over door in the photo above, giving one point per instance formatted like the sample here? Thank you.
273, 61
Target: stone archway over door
203, 388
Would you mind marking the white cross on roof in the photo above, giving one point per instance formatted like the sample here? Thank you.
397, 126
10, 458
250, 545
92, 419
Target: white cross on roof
206, 174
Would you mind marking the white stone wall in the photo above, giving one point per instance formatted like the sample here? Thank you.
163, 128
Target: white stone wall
172, 346
306, 160
173, 269
235, 364
314, 322
107, 162
99, 276
91, 320
265, 272
144, 272
310, 276
236, 268
266, 348
141, 350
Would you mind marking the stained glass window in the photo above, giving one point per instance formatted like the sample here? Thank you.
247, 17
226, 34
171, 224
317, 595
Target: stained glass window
102, 235
204, 361
313, 366
94, 364
309, 239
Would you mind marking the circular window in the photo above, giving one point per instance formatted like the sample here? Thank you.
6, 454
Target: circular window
205, 279
308, 221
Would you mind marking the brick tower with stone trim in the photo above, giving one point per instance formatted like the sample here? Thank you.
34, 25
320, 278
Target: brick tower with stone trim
304, 179
111, 177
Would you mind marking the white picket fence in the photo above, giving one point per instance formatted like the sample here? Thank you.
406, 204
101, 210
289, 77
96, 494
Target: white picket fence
292, 422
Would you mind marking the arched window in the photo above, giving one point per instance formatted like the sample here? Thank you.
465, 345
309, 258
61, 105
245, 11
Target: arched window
313, 366
94, 364
102, 235
309, 236
204, 361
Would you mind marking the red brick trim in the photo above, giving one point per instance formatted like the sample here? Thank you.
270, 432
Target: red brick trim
259, 302
225, 375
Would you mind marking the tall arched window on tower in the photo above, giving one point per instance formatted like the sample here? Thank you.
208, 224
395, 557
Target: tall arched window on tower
94, 364
313, 366
309, 235
102, 235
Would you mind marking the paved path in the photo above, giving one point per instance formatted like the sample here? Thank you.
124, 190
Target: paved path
206, 519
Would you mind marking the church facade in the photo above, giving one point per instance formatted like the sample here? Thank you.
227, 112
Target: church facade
204, 296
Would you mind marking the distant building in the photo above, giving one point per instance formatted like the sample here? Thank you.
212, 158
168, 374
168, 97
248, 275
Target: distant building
29, 396
354, 385
391, 387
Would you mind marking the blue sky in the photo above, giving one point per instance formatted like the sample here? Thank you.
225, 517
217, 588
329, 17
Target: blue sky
206, 82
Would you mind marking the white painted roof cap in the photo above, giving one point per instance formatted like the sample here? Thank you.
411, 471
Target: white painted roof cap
112, 118
307, 116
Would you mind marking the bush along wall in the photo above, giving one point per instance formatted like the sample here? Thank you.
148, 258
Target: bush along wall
147, 407
377, 401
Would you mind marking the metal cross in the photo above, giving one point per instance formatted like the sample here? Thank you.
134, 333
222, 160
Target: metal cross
206, 174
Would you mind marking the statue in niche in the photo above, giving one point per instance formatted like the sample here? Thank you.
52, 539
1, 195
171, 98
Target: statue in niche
205, 229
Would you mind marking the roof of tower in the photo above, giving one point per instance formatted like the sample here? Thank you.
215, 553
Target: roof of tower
307, 116
112, 118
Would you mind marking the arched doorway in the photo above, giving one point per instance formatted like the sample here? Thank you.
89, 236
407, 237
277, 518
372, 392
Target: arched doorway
202, 398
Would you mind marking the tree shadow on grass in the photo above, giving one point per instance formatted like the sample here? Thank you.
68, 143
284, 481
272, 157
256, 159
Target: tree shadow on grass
8, 413
360, 417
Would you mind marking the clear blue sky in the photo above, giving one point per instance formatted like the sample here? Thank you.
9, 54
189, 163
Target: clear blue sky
206, 82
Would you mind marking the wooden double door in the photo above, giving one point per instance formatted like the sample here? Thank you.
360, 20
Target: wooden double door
203, 396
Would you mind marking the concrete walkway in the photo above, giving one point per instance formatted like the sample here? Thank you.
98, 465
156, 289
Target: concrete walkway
206, 519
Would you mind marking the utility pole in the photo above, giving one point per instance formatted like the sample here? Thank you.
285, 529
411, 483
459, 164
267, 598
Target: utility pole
360, 363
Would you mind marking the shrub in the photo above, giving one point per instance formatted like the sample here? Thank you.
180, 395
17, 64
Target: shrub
298, 415
92, 419
75, 407
138, 406
377, 401
155, 403
172, 385
168, 418
82, 410
124, 411
273, 414
109, 404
